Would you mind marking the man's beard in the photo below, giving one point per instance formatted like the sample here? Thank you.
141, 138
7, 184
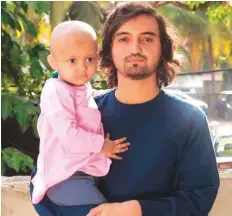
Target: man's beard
137, 72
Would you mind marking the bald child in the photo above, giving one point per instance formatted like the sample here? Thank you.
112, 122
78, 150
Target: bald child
73, 149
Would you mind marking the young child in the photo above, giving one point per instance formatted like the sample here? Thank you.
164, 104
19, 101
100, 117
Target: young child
73, 150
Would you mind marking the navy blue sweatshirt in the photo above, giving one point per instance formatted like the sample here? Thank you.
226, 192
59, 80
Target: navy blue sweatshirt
170, 167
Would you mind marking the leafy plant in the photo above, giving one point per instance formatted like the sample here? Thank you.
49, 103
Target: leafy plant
12, 158
24, 68
25, 111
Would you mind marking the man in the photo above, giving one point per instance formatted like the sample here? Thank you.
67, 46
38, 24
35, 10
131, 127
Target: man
170, 167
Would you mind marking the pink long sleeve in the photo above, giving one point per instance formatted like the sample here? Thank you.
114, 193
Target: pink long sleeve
71, 136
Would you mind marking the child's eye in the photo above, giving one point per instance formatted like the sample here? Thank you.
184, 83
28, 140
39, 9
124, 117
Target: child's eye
71, 61
89, 59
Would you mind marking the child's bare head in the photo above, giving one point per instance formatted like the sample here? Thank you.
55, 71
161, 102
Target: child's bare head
73, 51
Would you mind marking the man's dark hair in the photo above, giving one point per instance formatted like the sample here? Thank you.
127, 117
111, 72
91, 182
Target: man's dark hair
121, 14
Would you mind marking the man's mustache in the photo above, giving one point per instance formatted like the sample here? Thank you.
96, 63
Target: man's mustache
135, 55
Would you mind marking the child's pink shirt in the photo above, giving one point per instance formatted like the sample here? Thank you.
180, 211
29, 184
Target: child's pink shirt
71, 136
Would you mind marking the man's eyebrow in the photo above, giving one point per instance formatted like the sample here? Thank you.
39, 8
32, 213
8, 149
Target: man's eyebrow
144, 33
120, 33
149, 33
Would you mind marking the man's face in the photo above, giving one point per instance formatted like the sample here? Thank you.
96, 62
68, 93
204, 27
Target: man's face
136, 47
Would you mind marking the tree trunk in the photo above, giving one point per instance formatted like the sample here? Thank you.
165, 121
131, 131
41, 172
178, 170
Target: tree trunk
205, 64
58, 10
210, 52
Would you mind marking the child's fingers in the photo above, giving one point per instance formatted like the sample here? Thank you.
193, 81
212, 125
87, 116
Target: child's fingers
107, 136
114, 156
120, 146
121, 150
118, 141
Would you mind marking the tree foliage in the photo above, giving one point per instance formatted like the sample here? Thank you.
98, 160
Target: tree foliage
23, 56
204, 36
218, 12
24, 68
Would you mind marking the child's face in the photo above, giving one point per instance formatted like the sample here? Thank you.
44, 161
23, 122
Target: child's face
76, 59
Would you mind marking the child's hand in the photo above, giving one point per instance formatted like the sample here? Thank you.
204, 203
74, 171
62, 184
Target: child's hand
111, 148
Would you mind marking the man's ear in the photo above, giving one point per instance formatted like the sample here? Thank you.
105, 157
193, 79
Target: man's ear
52, 62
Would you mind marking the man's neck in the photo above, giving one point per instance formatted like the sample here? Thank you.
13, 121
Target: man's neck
136, 91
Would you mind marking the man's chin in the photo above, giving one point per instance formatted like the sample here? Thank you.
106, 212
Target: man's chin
137, 75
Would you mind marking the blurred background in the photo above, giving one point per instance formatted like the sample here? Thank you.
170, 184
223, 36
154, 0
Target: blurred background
204, 31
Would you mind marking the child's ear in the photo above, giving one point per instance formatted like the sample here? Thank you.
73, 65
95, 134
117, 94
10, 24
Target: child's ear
52, 62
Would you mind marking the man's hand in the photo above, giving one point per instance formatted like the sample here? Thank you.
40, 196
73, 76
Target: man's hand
128, 208
112, 148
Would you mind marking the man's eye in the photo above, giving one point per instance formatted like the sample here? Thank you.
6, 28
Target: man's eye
147, 39
89, 60
123, 39
71, 61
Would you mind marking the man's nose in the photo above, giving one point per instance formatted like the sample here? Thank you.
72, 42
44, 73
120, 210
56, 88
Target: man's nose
136, 47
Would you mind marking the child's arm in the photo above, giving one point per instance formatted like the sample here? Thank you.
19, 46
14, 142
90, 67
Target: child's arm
58, 107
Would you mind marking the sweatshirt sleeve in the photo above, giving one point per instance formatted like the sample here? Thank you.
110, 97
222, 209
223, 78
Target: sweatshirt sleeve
57, 105
197, 180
